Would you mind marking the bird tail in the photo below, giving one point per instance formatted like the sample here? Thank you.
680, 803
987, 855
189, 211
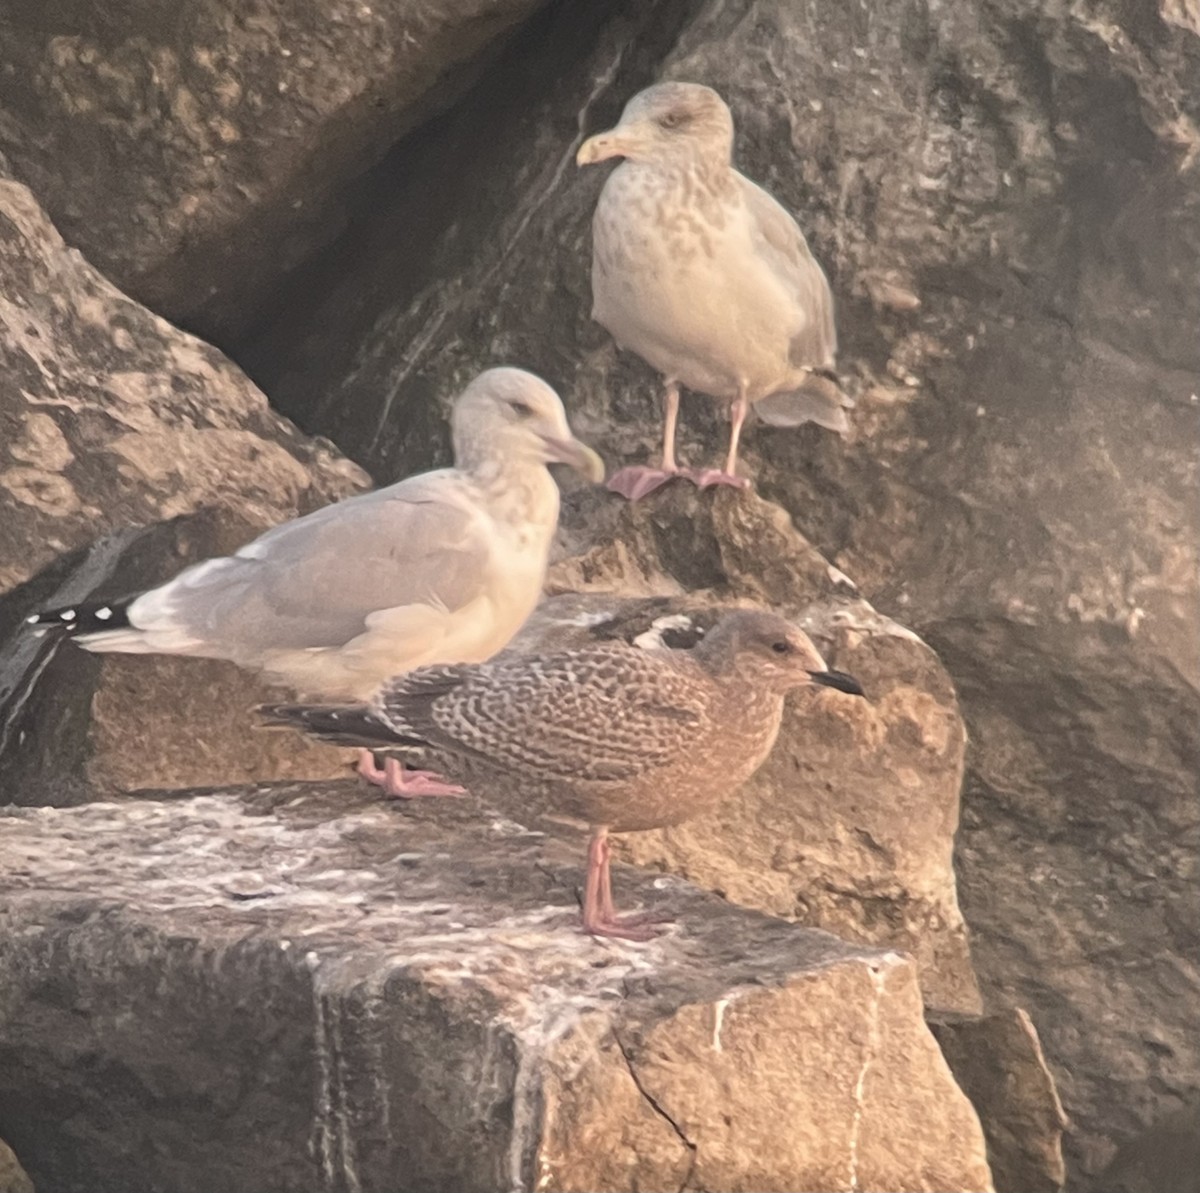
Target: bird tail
338, 724
100, 618
819, 399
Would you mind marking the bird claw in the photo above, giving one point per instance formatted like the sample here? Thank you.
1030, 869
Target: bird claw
705, 478
638, 481
399, 783
418, 783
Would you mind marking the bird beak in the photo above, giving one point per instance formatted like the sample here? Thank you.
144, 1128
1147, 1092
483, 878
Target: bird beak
600, 147
577, 454
839, 681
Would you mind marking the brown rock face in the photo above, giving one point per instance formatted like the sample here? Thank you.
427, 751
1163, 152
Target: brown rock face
998, 1061
268, 1014
13, 1178
1005, 195
110, 420
196, 153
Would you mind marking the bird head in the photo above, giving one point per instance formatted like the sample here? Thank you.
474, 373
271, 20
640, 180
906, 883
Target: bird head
772, 653
510, 414
666, 122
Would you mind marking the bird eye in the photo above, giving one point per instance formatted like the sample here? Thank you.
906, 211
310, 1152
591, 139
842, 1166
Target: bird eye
672, 119
521, 409
781, 647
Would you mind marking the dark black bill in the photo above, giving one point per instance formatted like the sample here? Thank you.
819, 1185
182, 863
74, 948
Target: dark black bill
839, 681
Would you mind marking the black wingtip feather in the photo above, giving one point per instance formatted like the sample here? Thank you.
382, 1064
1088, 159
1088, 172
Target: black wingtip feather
341, 725
92, 617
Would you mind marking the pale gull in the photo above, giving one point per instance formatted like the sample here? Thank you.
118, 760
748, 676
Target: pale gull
707, 278
443, 567
609, 736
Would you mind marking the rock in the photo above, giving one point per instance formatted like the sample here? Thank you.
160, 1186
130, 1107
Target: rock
13, 1178
1006, 198
1077, 865
110, 420
850, 824
112, 417
198, 158
998, 1061
292, 986
1165, 1158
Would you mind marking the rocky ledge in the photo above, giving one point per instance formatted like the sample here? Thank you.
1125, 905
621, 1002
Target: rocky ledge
295, 986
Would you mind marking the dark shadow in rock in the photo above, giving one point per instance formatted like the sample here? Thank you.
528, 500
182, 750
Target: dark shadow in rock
997, 1060
412, 235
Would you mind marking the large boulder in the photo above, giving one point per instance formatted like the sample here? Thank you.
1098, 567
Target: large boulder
111, 417
197, 153
293, 987
115, 426
1006, 196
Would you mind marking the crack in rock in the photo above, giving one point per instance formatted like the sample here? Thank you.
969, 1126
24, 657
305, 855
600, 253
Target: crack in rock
660, 1110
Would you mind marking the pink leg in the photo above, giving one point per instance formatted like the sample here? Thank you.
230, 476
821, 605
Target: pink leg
399, 783
704, 477
638, 480
599, 914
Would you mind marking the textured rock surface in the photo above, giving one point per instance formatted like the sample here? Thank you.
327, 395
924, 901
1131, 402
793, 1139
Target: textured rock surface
291, 987
112, 419
1163, 1159
998, 1061
1021, 487
196, 153
13, 1178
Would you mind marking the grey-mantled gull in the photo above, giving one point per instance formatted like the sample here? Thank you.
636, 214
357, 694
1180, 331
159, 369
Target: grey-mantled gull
610, 736
707, 278
443, 567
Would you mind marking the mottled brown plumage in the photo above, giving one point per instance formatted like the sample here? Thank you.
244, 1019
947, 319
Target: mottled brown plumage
706, 277
610, 736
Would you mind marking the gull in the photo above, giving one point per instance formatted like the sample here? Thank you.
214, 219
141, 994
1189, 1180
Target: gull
443, 567
610, 736
707, 278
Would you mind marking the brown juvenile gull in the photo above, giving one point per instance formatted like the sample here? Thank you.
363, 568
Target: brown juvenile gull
610, 736
443, 567
707, 278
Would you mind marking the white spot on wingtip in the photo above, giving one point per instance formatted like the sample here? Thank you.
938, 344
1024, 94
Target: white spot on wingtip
652, 639
103, 613
67, 615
